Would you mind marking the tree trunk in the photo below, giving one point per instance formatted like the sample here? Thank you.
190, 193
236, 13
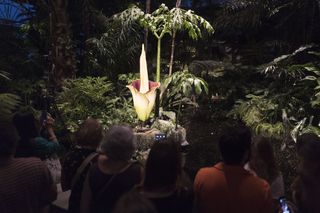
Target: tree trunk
178, 3
86, 27
63, 55
148, 3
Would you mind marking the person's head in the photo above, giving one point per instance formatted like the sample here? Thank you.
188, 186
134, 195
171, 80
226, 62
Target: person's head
26, 125
234, 145
308, 146
262, 159
89, 133
8, 139
306, 187
163, 166
134, 202
119, 143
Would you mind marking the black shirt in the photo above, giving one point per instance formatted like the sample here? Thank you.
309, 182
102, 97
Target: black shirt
119, 184
71, 163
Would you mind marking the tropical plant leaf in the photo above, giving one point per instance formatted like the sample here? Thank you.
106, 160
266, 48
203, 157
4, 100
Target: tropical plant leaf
94, 97
8, 102
4, 75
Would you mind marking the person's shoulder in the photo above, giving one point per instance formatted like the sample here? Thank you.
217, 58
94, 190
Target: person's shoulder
31, 163
209, 170
206, 174
40, 139
259, 182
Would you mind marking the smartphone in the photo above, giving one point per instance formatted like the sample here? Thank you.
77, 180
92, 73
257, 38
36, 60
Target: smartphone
159, 136
284, 206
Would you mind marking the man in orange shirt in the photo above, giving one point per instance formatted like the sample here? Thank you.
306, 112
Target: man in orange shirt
227, 187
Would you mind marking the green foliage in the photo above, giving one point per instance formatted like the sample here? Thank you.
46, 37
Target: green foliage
8, 101
4, 75
116, 48
210, 68
290, 100
27, 89
301, 127
316, 101
182, 87
164, 21
285, 67
94, 97
128, 78
261, 114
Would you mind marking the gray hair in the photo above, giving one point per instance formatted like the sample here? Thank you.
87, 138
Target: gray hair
119, 143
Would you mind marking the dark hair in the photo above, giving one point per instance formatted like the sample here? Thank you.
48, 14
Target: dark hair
262, 159
89, 133
307, 185
234, 144
134, 202
308, 146
163, 166
26, 125
8, 138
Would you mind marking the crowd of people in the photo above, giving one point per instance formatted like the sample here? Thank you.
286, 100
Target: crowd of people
102, 177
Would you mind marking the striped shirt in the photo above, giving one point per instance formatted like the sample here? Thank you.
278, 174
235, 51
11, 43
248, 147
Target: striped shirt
25, 185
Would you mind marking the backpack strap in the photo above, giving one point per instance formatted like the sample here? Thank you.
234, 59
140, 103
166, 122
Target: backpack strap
81, 168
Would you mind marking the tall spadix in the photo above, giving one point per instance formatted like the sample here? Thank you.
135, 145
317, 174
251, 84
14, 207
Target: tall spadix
143, 91
144, 80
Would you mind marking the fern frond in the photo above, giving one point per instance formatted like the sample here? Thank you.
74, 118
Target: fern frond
4, 75
8, 102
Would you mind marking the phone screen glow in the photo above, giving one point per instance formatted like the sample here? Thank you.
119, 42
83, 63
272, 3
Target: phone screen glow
284, 206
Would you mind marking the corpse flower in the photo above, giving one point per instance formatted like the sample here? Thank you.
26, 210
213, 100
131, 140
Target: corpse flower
143, 91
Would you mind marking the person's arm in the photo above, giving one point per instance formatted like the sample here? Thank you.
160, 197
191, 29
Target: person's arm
86, 197
43, 147
46, 147
49, 126
52, 135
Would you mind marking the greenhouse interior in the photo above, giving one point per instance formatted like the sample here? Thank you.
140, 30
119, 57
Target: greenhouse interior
171, 106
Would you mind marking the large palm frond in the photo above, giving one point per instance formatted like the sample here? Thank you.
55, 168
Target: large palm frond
293, 67
116, 49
